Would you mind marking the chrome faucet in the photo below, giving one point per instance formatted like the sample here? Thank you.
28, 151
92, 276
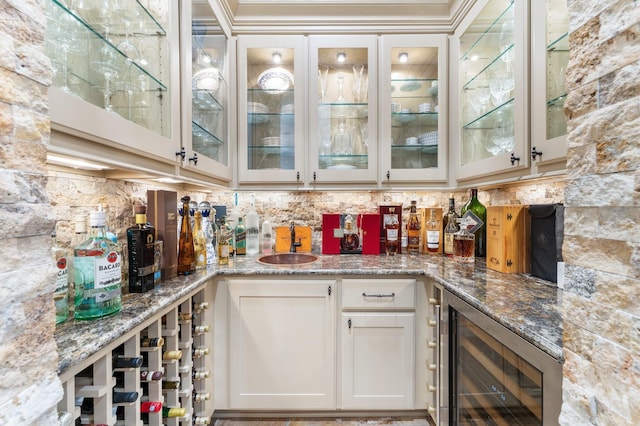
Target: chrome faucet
294, 243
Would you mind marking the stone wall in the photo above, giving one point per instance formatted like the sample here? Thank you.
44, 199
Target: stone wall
602, 232
29, 389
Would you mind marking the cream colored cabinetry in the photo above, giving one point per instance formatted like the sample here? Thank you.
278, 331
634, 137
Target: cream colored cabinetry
550, 54
293, 344
343, 106
91, 385
413, 108
282, 344
271, 110
205, 111
491, 51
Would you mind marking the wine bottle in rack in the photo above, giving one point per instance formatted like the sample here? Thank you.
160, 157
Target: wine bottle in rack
201, 396
150, 375
199, 306
151, 342
200, 375
173, 412
201, 420
200, 329
150, 406
124, 397
199, 352
120, 361
185, 316
172, 355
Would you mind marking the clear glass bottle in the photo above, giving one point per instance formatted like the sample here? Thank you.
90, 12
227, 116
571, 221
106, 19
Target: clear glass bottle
350, 241
199, 241
186, 250
476, 214
265, 238
209, 229
413, 230
253, 229
392, 231
433, 233
450, 227
140, 242
61, 292
464, 243
223, 243
97, 269
241, 238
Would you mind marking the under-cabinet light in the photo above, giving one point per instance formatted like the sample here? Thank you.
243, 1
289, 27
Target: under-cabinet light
75, 163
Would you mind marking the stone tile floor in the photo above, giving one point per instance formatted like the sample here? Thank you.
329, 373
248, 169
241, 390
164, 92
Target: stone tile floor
388, 421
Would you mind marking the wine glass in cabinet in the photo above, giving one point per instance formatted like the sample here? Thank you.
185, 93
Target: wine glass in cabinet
413, 108
271, 109
342, 109
205, 101
550, 55
492, 60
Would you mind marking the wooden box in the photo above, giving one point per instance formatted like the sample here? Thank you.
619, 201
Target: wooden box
162, 213
508, 239
425, 215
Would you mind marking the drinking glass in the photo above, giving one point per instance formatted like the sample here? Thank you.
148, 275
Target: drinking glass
323, 73
106, 65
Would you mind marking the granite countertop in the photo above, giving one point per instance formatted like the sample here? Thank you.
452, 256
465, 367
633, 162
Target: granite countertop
526, 305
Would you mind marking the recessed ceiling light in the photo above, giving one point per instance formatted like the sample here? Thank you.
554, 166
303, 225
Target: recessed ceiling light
403, 57
277, 58
341, 57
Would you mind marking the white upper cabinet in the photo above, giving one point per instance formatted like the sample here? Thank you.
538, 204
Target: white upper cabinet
271, 109
550, 54
343, 109
491, 121
205, 93
116, 74
413, 108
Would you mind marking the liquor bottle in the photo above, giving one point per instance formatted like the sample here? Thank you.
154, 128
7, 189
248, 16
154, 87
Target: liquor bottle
186, 255
464, 243
267, 234
350, 241
104, 207
140, 239
209, 228
413, 230
224, 247
199, 241
98, 273
241, 238
61, 292
476, 214
253, 229
120, 361
232, 221
391, 227
450, 227
150, 376
193, 207
433, 232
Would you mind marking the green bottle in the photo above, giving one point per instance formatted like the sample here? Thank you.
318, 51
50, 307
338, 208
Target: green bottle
241, 238
476, 214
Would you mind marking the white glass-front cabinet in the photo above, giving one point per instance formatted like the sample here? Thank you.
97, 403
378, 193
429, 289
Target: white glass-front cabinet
205, 93
413, 141
271, 109
550, 54
342, 137
116, 74
492, 53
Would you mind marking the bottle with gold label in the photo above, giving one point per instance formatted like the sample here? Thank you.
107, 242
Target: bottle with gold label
433, 232
140, 241
392, 232
223, 242
413, 230
199, 241
450, 227
186, 249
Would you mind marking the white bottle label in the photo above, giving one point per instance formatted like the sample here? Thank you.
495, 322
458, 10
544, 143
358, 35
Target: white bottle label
107, 271
433, 239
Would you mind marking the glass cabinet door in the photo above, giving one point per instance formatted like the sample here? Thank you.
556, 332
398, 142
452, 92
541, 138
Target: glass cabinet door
114, 55
414, 141
343, 143
550, 55
271, 109
206, 92
492, 76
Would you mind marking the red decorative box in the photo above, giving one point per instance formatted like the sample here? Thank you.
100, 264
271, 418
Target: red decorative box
366, 226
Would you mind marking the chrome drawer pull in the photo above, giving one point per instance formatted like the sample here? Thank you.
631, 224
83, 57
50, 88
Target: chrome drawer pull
378, 295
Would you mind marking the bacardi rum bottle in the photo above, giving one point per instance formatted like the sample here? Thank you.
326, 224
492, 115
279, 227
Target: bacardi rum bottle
97, 264
61, 292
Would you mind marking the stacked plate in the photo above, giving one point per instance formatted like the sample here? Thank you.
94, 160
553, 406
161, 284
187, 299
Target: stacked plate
257, 112
428, 138
287, 109
271, 141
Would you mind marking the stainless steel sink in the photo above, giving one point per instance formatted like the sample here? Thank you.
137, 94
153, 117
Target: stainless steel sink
287, 259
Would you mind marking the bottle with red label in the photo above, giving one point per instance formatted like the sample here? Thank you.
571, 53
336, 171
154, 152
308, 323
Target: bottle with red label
97, 264
61, 292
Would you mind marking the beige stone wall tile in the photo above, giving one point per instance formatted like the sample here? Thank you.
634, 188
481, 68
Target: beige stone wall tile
619, 291
619, 16
584, 55
606, 255
606, 190
619, 51
619, 154
619, 223
581, 101
577, 219
581, 11
620, 84
581, 160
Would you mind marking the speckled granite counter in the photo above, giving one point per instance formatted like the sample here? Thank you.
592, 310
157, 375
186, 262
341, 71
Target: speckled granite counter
528, 306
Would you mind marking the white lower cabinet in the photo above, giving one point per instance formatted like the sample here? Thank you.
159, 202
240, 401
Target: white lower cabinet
378, 360
282, 344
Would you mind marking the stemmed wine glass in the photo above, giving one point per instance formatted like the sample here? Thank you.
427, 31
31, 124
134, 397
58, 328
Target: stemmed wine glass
107, 66
126, 46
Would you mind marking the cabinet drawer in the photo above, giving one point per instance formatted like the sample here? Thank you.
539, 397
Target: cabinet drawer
378, 294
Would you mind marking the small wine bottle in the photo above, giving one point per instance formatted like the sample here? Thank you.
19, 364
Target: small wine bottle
174, 412
150, 375
476, 214
150, 406
170, 385
200, 329
200, 375
124, 397
120, 361
150, 342
199, 352
172, 355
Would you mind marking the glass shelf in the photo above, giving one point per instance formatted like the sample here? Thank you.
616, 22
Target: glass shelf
481, 38
486, 120
560, 44
403, 119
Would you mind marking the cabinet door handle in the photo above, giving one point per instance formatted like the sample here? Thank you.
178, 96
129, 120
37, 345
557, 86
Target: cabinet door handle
514, 159
297, 175
349, 323
438, 362
378, 295
329, 290
314, 176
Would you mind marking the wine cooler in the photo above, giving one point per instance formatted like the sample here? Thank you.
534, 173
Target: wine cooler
494, 377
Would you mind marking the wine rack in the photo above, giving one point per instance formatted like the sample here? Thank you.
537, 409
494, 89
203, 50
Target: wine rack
158, 373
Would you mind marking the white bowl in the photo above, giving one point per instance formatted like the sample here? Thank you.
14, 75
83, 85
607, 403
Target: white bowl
275, 80
207, 79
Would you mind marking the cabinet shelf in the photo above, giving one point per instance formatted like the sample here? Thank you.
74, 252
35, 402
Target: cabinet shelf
560, 44
488, 119
402, 119
414, 87
486, 40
